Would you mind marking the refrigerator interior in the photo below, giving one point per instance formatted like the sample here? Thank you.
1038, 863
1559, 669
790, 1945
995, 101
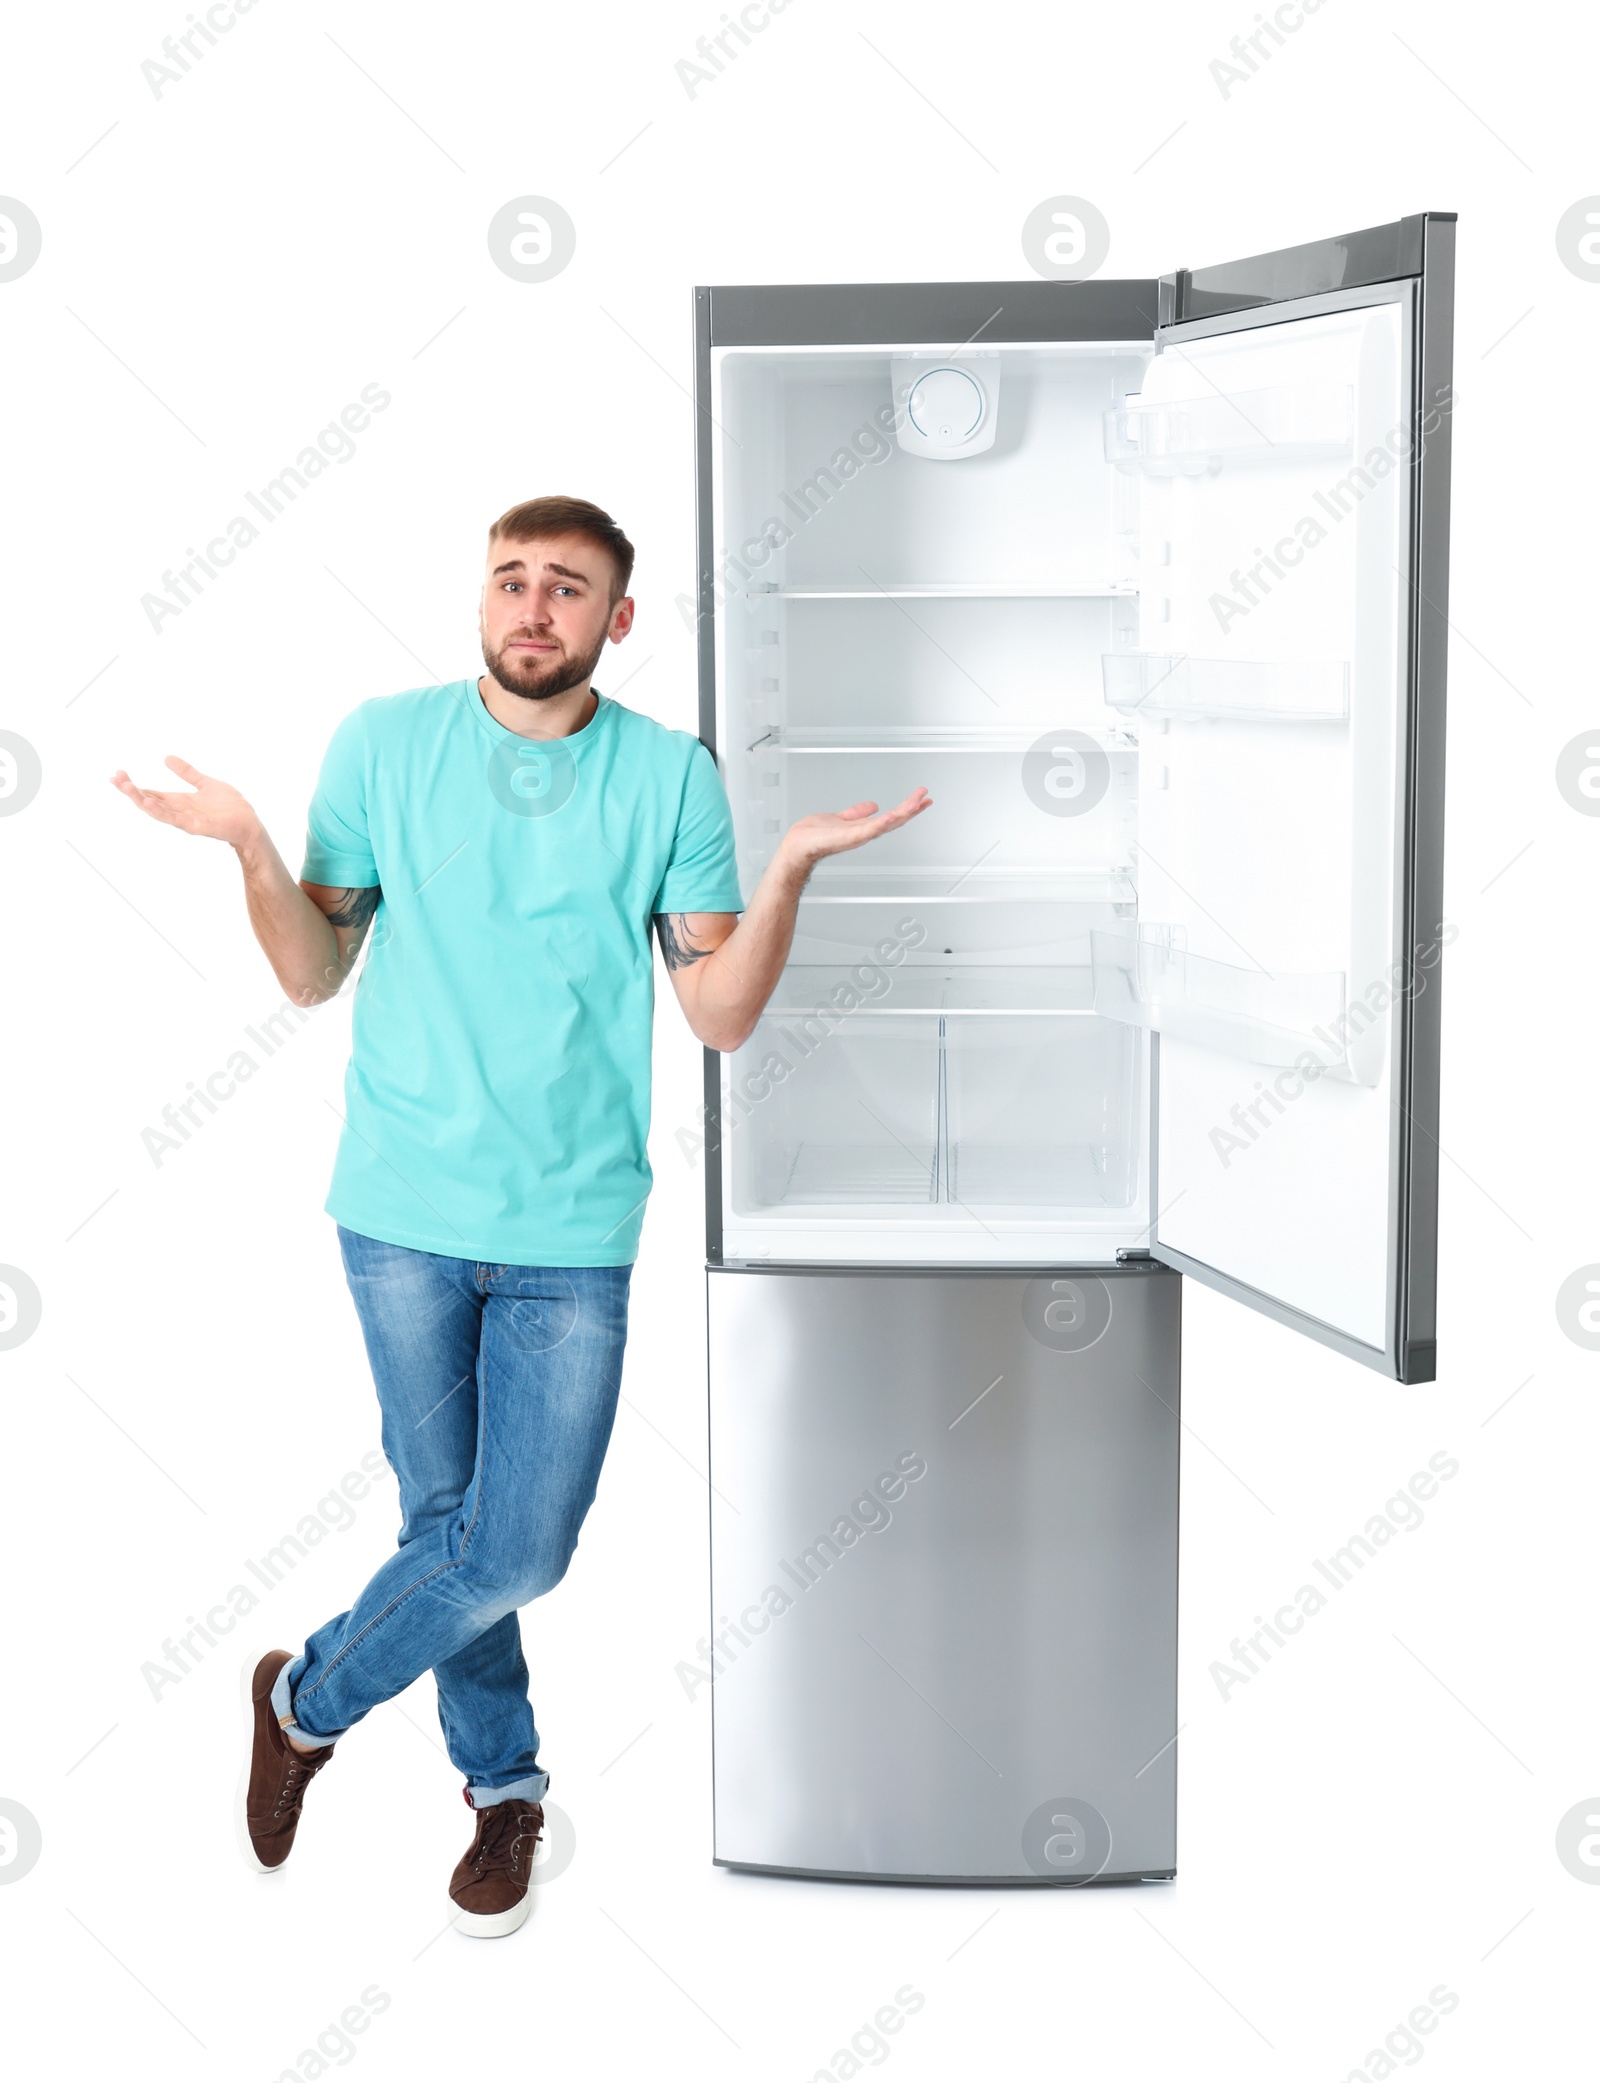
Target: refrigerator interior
932, 1078
1145, 648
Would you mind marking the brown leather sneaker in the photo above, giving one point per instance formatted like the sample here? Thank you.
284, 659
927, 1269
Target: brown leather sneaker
276, 1775
490, 1885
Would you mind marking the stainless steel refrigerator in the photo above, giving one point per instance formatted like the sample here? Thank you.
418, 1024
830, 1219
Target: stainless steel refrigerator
1146, 581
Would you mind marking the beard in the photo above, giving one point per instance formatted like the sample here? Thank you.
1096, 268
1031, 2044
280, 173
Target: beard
540, 679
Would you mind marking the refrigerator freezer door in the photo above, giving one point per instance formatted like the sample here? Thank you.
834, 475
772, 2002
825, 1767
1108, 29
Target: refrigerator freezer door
944, 1573
1293, 464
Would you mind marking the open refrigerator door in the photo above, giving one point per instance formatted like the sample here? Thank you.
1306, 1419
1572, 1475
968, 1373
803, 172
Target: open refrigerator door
1291, 713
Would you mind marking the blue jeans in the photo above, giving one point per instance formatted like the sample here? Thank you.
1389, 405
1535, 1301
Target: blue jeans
498, 1387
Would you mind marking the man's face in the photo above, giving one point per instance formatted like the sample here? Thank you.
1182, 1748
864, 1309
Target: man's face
547, 613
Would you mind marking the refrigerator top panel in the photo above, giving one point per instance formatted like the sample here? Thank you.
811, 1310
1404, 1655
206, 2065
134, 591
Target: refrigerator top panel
932, 314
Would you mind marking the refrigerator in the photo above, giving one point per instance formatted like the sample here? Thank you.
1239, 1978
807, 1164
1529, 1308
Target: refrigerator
1146, 581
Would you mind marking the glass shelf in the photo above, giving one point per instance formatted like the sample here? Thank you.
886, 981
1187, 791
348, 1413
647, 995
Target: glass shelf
1154, 683
954, 737
967, 885
1096, 590
958, 991
1149, 979
1194, 437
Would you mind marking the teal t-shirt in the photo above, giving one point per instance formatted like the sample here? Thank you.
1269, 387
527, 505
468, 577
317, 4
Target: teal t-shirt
498, 1092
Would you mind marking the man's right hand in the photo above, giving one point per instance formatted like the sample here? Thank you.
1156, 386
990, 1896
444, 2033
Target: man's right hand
213, 811
309, 934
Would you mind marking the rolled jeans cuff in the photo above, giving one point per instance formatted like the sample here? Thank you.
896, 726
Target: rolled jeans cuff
283, 1705
533, 1788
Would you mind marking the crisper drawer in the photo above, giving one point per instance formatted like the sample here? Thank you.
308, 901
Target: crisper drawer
1035, 1112
1042, 1112
827, 1109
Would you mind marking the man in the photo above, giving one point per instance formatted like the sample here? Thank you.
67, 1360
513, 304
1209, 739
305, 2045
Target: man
509, 842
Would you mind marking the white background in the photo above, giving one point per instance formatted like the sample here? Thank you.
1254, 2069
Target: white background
1370, 1816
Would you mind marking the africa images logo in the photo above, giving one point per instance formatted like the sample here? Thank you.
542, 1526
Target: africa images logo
1067, 1316
533, 779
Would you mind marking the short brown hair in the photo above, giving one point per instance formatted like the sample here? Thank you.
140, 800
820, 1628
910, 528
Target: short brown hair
557, 514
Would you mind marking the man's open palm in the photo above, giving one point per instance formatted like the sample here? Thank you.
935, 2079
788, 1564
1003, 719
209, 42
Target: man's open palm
214, 810
838, 831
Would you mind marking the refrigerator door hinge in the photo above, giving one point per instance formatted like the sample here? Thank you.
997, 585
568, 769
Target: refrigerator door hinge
1131, 1258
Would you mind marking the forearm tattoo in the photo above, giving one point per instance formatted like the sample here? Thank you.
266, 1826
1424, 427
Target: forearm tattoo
355, 907
678, 948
